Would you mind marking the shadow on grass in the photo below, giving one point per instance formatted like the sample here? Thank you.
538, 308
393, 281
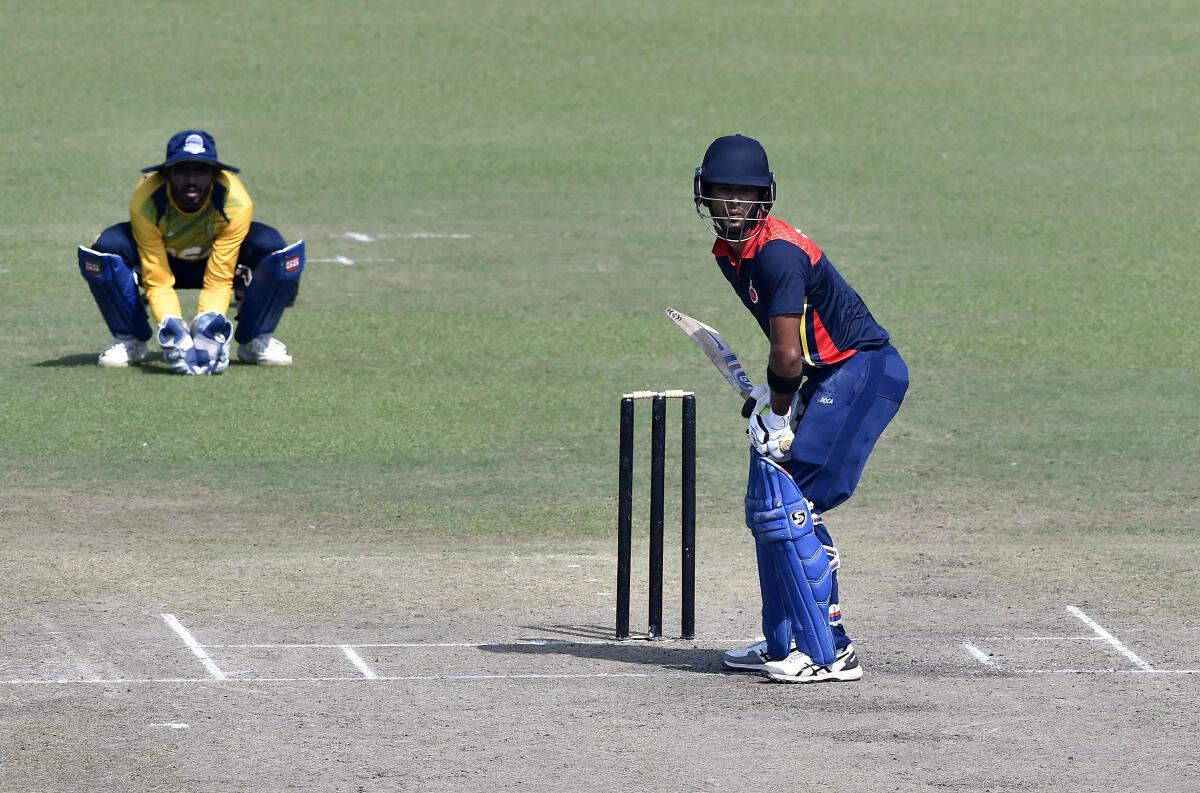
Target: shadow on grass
79, 359
148, 366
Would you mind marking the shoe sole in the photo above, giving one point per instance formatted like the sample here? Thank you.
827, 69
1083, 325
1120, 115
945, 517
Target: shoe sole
747, 667
848, 676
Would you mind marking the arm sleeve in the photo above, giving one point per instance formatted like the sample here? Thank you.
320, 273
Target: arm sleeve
157, 278
217, 291
783, 269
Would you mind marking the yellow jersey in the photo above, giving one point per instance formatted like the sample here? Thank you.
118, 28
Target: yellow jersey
214, 232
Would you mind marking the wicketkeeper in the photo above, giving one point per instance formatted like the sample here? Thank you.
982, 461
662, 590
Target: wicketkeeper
190, 227
833, 383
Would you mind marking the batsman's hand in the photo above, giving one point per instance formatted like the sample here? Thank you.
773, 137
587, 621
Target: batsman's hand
770, 434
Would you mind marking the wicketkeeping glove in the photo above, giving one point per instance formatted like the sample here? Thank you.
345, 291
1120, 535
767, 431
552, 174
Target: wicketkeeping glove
179, 350
211, 334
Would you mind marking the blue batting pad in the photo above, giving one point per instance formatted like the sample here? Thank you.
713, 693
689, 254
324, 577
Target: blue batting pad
115, 289
776, 626
778, 515
273, 286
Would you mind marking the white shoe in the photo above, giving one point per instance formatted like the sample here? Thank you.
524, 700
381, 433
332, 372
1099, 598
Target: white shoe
121, 352
751, 659
799, 668
265, 350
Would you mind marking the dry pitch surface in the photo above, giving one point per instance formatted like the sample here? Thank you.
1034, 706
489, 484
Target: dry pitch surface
216, 657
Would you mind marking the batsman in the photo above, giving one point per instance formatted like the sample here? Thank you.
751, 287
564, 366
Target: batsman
190, 227
833, 383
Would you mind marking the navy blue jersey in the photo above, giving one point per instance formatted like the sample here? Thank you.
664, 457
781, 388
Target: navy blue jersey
782, 271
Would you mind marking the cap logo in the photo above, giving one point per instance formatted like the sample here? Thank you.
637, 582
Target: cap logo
194, 144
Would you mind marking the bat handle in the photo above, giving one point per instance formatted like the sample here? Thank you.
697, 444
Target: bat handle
748, 407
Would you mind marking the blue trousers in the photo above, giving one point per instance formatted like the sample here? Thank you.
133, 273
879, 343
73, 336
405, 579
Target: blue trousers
261, 241
846, 408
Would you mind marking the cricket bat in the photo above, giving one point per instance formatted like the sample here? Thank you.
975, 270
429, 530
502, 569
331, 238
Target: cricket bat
713, 344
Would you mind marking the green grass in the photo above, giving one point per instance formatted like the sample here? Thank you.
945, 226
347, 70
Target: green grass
1012, 187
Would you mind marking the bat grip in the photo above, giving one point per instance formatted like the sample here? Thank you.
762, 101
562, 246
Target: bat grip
748, 407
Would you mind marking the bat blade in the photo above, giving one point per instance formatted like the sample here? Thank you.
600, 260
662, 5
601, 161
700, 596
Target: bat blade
714, 346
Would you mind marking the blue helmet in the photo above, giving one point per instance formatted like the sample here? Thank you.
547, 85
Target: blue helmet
738, 161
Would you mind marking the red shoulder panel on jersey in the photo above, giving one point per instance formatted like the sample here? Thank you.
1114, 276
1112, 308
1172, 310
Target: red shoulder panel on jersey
779, 230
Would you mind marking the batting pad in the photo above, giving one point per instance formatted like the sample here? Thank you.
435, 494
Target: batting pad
115, 289
273, 287
778, 515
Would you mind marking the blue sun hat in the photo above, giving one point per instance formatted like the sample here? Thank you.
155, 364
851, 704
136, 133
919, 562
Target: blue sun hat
191, 145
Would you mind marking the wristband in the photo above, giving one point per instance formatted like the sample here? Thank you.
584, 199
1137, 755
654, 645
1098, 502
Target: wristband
783, 385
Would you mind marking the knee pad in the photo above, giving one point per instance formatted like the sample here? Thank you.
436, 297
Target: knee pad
272, 288
115, 289
779, 517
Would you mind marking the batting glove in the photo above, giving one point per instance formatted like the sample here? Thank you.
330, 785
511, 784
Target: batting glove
770, 434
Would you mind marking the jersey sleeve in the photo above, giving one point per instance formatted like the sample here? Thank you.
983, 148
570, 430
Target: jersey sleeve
783, 270
157, 278
217, 292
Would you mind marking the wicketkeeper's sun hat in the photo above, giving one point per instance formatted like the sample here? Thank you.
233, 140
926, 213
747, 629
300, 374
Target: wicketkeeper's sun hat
191, 145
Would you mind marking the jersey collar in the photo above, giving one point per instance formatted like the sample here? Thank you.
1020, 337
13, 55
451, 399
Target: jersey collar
721, 247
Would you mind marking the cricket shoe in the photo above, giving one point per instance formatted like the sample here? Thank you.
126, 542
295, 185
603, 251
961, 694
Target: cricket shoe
799, 668
752, 658
264, 350
121, 352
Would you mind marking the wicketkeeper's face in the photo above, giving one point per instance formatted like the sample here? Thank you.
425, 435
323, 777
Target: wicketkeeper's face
190, 183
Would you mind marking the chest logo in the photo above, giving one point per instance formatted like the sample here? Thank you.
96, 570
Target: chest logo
753, 293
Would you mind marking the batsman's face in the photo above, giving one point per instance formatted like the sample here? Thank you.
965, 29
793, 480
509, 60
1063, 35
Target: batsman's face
735, 208
190, 183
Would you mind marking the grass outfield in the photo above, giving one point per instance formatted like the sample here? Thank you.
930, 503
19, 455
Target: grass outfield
391, 564
1012, 189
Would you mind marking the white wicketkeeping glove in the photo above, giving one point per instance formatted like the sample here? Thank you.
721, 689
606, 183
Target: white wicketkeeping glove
770, 434
211, 335
176, 342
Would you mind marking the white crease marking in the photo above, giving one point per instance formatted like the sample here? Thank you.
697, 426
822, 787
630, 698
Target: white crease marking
1113, 640
195, 646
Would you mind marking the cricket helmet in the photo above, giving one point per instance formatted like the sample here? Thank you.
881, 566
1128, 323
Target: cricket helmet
742, 162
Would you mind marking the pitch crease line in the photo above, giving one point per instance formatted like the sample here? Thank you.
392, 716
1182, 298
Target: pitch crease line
1040, 639
359, 663
357, 679
435, 645
1113, 640
980, 655
195, 646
